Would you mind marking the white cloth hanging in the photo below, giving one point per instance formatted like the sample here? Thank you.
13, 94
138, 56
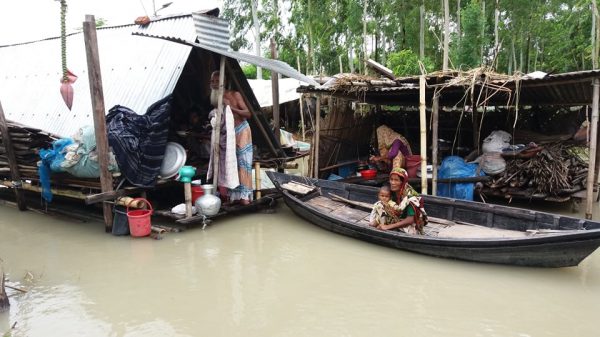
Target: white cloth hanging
228, 171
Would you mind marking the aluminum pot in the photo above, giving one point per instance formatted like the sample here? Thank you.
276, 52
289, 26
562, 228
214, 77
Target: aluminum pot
208, 204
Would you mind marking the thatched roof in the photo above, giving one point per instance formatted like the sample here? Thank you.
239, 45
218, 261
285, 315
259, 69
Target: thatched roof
475, 87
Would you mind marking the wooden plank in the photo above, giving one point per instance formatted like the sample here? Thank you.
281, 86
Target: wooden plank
363, 205
298, 188
12, 160
349, 214
57, 191
324, 202
99, 111
381, 69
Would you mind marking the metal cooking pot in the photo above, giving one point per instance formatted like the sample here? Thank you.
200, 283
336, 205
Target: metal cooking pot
208, 204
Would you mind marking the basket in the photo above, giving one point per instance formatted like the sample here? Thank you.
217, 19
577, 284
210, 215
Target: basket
139, 219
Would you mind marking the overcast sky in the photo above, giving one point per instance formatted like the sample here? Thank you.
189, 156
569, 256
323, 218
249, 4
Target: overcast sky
28, 20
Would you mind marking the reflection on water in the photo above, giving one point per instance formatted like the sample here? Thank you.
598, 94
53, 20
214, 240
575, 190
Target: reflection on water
273, 275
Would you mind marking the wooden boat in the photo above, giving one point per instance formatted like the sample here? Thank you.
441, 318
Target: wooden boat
457, 229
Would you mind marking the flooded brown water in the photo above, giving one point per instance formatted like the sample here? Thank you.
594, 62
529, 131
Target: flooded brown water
272, 275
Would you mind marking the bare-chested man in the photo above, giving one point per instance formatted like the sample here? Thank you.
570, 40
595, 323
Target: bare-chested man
243, 138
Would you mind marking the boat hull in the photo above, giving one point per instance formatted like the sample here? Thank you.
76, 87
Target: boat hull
557, 250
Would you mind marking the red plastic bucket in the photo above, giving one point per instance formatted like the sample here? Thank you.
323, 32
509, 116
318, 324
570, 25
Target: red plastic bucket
139, 219
412, 164
197, 192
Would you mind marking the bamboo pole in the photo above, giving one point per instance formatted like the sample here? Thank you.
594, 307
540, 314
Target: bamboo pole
423, 127
62, 192
302, 127
592, 151
316, 137
216, 149
15, 174
275, 93
434, 142
257, 179
96, 91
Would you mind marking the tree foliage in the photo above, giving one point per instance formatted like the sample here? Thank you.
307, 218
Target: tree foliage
547, 35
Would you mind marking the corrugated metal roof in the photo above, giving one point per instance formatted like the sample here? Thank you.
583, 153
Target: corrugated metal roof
273, 65
211, 31
136, 72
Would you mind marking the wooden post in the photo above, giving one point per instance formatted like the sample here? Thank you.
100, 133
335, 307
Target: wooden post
257, 179
15, 175
187, 193
476, 122
434, 142
216, 148
301, 105
4, 301
96, 91
275, 92
592, 152
316, 137
302, 117
423, 127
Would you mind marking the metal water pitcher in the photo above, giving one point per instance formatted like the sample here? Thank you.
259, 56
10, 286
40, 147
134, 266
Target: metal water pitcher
208, 204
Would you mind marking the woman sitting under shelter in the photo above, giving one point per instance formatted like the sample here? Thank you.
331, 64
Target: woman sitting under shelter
393, 149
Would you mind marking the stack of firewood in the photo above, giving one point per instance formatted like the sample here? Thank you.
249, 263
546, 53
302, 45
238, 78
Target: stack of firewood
26, 143
557, 171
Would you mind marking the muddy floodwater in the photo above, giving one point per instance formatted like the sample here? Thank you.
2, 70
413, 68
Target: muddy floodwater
272, 275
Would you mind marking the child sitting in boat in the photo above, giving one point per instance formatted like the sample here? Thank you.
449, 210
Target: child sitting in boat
385, 211
408, 215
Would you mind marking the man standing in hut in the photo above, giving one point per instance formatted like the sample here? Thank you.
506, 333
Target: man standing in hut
243, 139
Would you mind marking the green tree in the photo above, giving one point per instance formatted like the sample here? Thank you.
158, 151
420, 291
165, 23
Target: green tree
406, 63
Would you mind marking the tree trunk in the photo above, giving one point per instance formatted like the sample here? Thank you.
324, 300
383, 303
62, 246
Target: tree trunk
4, 301
351, 58
365, 35
422, 31
482, 51
593, 36
446, 34
256, 24
383, 48
496, 40
310, 40
457, 20
376, 49
527, 57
